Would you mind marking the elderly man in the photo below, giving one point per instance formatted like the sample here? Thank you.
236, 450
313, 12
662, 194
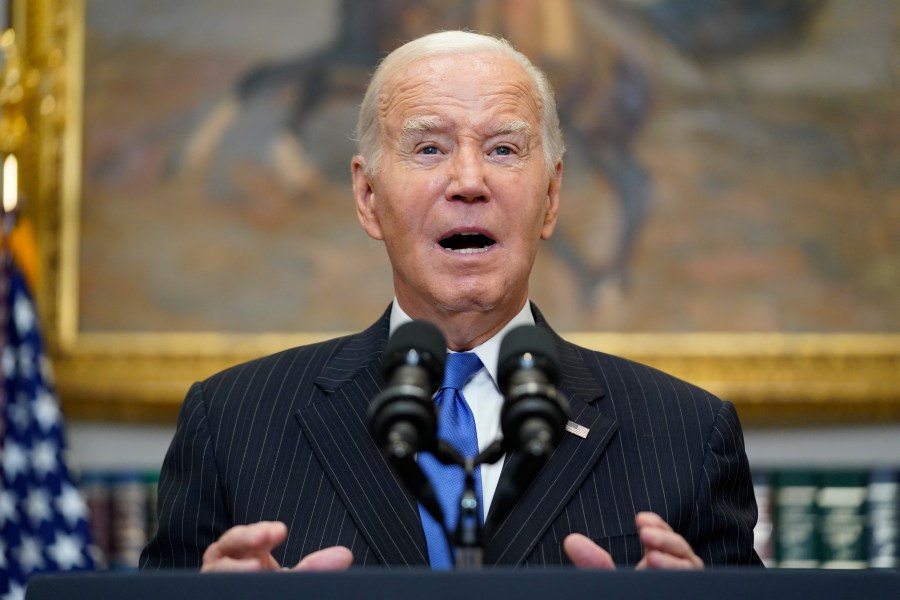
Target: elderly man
459, 175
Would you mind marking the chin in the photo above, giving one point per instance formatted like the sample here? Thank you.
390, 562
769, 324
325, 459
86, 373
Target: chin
476, 301
465, 302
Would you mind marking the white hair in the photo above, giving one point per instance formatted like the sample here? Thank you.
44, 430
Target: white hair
368, 132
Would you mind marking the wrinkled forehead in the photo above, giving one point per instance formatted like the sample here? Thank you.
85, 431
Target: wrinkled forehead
490, 80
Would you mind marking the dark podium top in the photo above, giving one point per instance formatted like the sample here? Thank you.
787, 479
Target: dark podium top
505, 584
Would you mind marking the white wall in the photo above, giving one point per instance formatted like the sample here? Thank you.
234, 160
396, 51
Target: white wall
106, 446
862, 446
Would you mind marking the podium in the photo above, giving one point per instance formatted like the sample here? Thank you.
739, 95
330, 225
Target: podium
491, 584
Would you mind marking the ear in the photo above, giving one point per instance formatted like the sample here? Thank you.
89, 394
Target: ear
552, 213
364, 196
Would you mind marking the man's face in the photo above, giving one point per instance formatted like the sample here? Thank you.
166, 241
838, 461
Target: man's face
463, 195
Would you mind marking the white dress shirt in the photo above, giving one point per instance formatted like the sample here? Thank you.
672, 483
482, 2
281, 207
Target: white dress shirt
482, 395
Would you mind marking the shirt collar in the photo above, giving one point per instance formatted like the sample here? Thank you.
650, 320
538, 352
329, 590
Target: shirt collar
488, 351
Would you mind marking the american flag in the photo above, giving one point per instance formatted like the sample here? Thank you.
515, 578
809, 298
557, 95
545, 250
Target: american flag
43, 525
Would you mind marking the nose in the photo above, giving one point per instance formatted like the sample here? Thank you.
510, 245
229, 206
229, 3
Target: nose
467, 176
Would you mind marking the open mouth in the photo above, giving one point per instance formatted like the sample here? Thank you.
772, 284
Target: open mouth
467, 242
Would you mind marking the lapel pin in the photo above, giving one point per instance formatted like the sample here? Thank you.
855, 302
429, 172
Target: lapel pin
576, 429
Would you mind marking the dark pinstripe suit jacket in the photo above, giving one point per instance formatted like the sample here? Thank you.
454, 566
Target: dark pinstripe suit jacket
285, 438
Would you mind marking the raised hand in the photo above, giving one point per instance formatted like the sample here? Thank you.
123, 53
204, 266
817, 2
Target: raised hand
248, 548
663, 548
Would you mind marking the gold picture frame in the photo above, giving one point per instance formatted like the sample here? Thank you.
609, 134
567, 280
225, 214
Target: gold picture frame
773, 378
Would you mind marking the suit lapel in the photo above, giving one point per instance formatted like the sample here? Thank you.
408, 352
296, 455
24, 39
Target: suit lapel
512, 541
381, 509
338, 432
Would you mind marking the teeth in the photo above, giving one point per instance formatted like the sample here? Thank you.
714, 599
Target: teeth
471, 250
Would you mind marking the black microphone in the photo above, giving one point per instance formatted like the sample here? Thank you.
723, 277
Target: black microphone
534, 414
403, 418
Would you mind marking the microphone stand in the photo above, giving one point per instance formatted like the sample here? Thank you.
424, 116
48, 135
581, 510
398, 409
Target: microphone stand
469, 530
469, 544
468, 539
469, 536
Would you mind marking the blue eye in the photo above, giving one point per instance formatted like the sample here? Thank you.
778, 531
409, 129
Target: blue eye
429, 150
503, 150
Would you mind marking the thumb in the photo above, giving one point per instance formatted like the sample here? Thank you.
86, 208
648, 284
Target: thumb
585, 554
335, 558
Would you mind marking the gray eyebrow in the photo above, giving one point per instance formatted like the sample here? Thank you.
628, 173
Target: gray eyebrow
515, 127
419, 124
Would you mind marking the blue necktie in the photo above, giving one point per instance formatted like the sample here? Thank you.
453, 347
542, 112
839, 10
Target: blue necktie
456, 425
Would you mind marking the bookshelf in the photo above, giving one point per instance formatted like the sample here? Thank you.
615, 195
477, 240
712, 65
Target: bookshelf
845, 496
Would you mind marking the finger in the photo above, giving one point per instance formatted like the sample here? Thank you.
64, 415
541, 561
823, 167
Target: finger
655, 559
233, 565
249, 540
254, 541
335, 558
651, 519
664, 540
585, 554
665, 549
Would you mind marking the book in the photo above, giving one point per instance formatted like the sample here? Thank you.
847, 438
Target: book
884, 518
129, 519
796, 519
841, 505
95, 490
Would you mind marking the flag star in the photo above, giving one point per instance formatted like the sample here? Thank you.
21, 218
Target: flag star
23, 314
9, 363
19, 415
7, 506
43, 458
46, 412
26, 361
15, 461
66, 551
71, 504
37, 505
16, 592
29, 554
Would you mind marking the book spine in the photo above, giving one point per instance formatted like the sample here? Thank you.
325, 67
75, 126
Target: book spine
796, 520
129, 526
884, 519
841, 502
95, 489
763, 540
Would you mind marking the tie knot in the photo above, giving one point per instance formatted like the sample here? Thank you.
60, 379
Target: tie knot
461, 366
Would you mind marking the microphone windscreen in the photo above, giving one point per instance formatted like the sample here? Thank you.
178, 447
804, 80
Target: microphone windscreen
424, 339
531, 340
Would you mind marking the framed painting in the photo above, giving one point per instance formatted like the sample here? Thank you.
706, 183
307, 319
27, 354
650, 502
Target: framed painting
730, 199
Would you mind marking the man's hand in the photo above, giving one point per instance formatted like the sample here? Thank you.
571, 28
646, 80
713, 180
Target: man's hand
249, 548
663, 548
585, 554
